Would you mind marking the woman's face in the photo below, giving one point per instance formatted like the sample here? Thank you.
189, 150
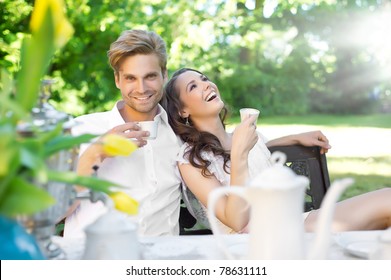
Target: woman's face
200, 96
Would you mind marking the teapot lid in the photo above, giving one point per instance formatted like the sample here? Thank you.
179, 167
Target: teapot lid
112, 222
278, 175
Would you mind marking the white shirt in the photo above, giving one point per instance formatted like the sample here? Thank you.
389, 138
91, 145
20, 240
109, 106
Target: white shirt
148, 173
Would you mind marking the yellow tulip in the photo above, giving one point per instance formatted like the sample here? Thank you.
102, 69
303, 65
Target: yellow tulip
63, 30
116, 145
124, 203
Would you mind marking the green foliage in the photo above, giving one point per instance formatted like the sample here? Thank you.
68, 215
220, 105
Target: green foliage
22, 197
14, 16
302, 57
362, 183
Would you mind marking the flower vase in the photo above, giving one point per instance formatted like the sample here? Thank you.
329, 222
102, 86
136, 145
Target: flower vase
16, 243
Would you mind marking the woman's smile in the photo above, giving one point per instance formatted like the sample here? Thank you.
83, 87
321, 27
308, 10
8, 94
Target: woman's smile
212, 95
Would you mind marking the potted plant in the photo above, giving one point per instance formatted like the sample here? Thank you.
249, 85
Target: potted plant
24, 158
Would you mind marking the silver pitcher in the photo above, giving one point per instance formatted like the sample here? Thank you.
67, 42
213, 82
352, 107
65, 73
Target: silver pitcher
42, 225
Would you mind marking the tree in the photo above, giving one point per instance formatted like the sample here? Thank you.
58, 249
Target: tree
294, 57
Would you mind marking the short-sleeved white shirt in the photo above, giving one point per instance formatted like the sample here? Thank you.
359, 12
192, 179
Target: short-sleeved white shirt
148, 173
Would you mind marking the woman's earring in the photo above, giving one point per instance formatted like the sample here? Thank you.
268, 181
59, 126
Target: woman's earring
187, 121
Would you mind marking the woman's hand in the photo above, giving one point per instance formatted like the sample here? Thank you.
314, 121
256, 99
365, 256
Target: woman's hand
244, 137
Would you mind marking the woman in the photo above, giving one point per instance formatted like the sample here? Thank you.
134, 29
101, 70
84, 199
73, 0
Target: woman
211, 157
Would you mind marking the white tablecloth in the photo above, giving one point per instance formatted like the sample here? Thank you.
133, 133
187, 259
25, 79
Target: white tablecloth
205, 246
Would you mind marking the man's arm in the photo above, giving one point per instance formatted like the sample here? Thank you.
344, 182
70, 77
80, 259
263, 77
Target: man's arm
312, 138
94, 154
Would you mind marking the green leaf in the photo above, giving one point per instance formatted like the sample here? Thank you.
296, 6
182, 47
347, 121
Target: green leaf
92, 183
24, 198
46, 136
36, 54
63, 142
6, 103
13, 166
31, 156
9, 159
9, 105
8, 148
6, 82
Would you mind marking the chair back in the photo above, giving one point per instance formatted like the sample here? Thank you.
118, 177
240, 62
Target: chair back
308, 161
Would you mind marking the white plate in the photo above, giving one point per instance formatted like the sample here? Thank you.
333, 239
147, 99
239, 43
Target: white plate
239, 250
358, 243
172, 249
361, 249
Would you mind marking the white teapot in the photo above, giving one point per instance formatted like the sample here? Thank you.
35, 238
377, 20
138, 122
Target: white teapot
276, 197
112, 237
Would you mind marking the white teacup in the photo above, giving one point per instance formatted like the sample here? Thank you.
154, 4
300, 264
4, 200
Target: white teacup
150, 126
247, 112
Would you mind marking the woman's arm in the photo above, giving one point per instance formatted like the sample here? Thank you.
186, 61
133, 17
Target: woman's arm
230, 210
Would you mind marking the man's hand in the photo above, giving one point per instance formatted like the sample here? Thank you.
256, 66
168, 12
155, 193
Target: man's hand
94, 154
132, 131
311, 138
314, 138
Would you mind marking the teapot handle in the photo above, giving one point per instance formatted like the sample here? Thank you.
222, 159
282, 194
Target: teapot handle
212, 200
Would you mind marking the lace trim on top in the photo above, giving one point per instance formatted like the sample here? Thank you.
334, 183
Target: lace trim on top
215, 167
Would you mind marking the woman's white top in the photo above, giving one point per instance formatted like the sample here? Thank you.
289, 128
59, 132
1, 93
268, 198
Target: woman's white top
258, 160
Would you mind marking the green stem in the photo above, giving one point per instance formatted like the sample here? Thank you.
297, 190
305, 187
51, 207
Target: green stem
92, 183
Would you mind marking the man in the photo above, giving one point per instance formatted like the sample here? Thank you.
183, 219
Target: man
139, 60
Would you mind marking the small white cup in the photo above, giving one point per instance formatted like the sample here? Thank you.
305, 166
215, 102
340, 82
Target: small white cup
247, 112
150, 126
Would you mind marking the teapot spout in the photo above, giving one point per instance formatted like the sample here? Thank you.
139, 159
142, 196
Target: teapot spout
321, 243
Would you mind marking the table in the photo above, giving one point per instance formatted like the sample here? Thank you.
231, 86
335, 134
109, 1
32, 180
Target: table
201, 247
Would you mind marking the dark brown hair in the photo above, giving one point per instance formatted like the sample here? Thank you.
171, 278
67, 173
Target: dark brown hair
198, 141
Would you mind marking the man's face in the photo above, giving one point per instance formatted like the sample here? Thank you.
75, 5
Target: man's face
140, 80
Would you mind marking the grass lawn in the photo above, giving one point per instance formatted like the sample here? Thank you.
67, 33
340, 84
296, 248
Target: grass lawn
361, 145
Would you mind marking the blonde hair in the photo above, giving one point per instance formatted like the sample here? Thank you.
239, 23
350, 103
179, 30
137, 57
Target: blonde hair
132, 42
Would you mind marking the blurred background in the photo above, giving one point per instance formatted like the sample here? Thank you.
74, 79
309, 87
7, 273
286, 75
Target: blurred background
321, 64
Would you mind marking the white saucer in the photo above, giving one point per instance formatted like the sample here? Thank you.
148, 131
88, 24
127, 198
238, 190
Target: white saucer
358, 243
239, 250
173, 250
361, 249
